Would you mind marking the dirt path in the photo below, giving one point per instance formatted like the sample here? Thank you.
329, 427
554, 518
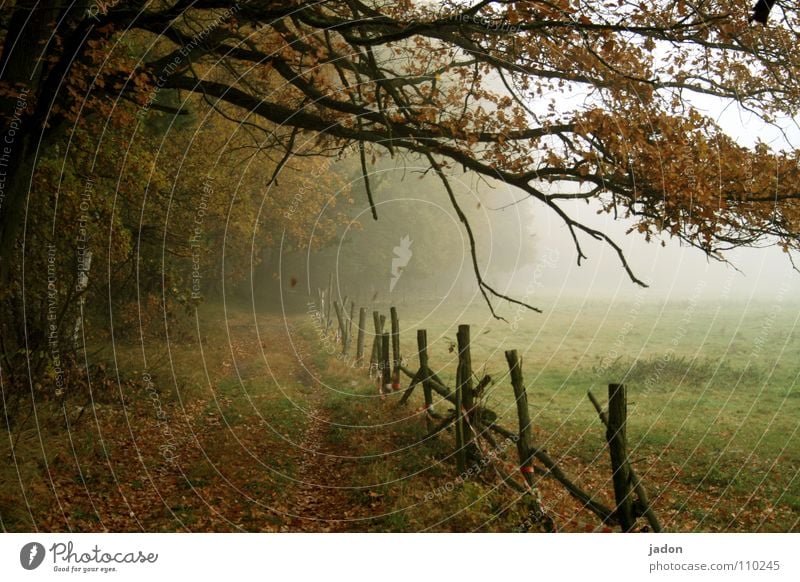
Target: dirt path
251, 447
315, 497
324, 495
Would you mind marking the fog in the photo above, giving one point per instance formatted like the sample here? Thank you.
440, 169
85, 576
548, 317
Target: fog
671, 272
523, 248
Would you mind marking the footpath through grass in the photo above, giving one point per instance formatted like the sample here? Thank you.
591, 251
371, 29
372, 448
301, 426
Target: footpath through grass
246, 422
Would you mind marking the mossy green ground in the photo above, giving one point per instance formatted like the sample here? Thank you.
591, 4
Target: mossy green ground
274, 434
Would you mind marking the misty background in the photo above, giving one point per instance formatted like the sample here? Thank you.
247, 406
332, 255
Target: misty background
523, 250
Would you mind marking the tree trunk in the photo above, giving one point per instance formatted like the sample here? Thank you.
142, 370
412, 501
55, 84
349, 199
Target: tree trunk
21, 125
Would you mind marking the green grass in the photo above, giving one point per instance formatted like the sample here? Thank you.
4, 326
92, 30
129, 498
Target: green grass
713, 392
225, 427
714, 416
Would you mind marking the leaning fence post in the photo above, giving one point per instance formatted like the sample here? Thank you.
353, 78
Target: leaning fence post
349, 337
615, 435
422, 345
381, 326
421, 373
351, 318
328, 320
524, 440
375, 357
342, 325
461, 451
521, 397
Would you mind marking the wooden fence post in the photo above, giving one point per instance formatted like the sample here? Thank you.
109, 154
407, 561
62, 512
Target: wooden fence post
376, 342
342, 325
395, 349
523, 414
638, 486
422, 377
362, 324
524, 440
349, 336
422, 345
381, 326
337, 312
615, 435
328, 320
386, 371
461, 451
352, 318
467, 400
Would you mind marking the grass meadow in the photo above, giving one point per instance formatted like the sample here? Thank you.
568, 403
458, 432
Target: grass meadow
251, 422
714, 401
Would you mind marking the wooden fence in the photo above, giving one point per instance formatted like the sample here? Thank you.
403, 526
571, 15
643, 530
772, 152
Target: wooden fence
475, 426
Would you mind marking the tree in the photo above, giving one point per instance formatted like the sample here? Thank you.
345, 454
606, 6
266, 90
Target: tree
131, 215
761, 11
473, 85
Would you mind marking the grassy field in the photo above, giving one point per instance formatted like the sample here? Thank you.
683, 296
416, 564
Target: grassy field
266, 429
714, 401
179, 432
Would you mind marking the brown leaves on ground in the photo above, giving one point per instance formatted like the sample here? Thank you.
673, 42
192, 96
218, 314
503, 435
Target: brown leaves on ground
283, 440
